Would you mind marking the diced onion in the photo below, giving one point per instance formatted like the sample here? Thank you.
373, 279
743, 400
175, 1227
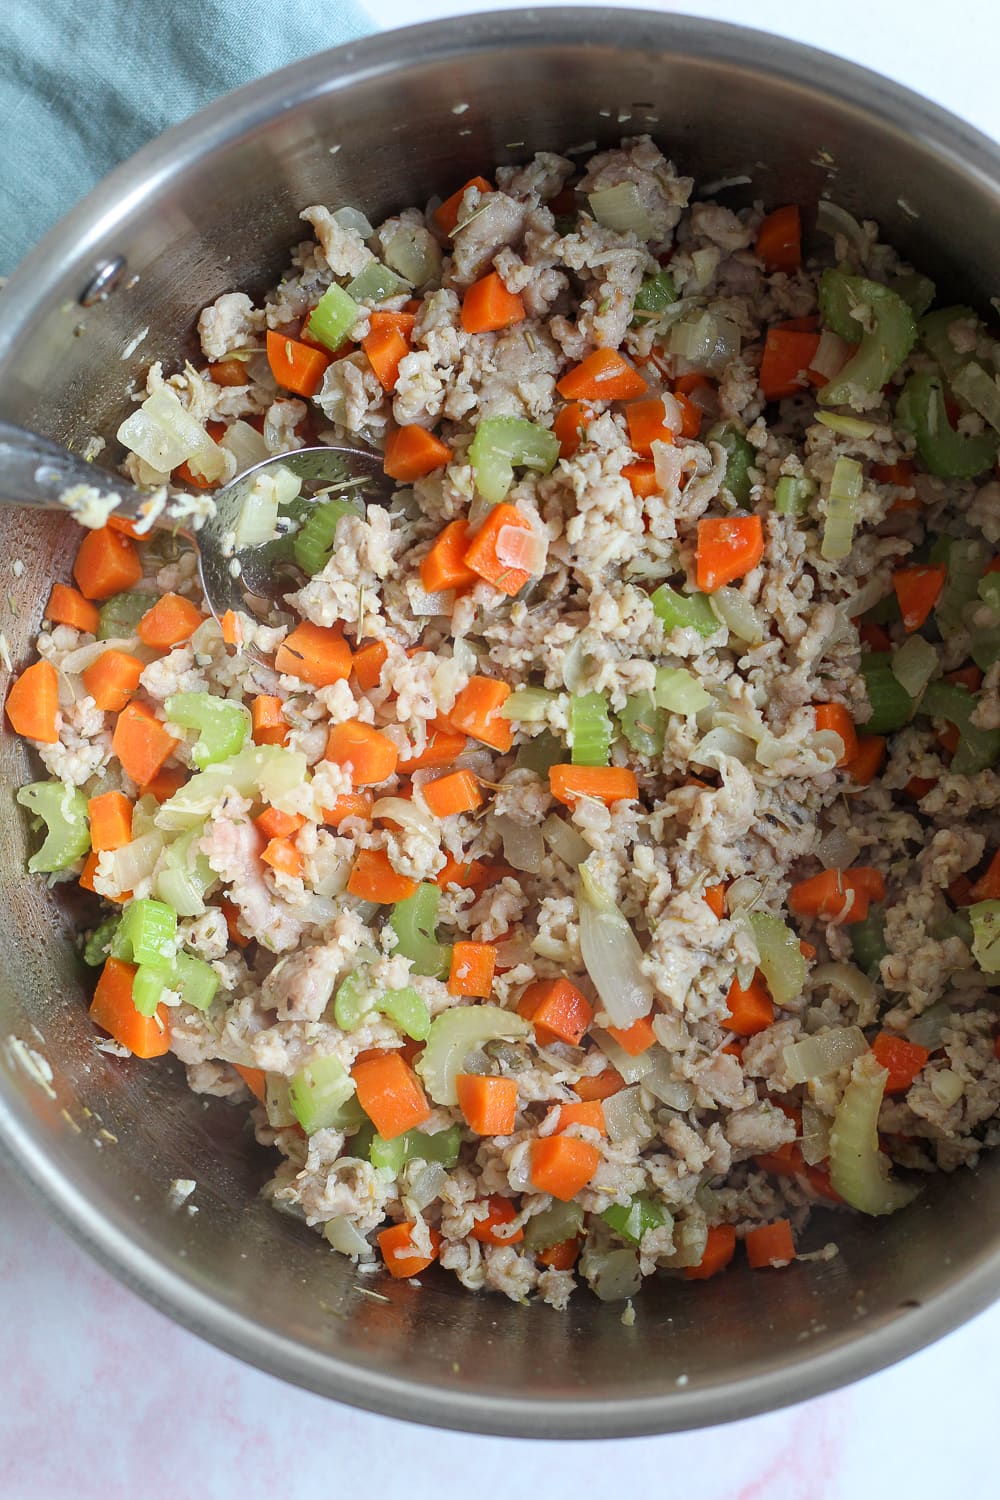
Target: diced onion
346, 1238
720, 744
621, 208
612, 954
705, 263
517, 547
743, 892
818, 1056
353, 218
858, 1170
850, 980
926, 1029
852, 427
529, 704
841, 509
612, 1275
523, 846
136, 861
632, 1069
564, 841
455, 1033
946, 1086
831, 219
426, 1185
661, 1083
401, 810
831, 355
679, 692
245, 444
624, 1115
414, 253
972, 384
836, 850
422, 603
736, 611
985, 919
690, 1239
574, 663
914, 664
815, 1134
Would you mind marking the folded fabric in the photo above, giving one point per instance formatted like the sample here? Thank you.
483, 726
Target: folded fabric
83, 87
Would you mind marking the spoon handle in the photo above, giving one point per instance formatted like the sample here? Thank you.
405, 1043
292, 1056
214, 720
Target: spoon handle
35, 471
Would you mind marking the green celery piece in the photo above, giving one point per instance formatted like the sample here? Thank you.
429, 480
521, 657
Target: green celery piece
355, 999
632, 1220
407, 1011
685, 611
985, 919
978, 749
502, 444
885, 612
376, 282
553, 1225
781, 960
892, 706
740, 459
528, 704
643, 725
195, 980
945, 452
868, 941
655, 293
592, 729
314, 542
147, 987
540, 754
965, 559
359, 1144
917, 291
319, 1092
984, 641
414, 921
98, 944
792, 495
933, 330
185, 875
416, 1145
679, 692
389, 1156
223, 726
63, 810
333, 317
951, 924
258, 771
119, 615
147, 933
882, 349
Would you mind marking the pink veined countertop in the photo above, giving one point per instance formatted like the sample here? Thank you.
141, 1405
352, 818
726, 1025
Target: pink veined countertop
105, 1398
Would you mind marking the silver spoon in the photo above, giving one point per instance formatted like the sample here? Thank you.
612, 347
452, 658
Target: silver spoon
35, 472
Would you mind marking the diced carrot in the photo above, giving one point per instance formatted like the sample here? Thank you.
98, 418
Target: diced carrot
875, 637
720, 1248
837, 895
446, 215
948, 738
641, 478
85, 879
476, 712
232, 628
171, 620
770, 1244
647, 424
471, 874
557, 1010
599, 1085
401, 1256
970, 677
690, 415
269, 725
637, 1038
404, 321
784, 1161
141, 743
295, 366
561, 1257
272, 823
608, 784
67, 606
750, 1010
903, 1059
779, 240
960, 891
481, 555
231, 912
787, 357
317, 654
283, 857
184, 474
411, 452
501, 1210
167, 781
728, 548
834, 717
472, 969
390, 1094
683, 385
562, 1165
589, 1112
106, 563
488, 306
33, 703
385, 347
112, 1010
603, 376
112, 678
570, 426
369, 755
110, 818
368, 663
374, 879
445, 566
918, 590
456, 793
987, 887
228, 372
866, 762
349, 805
255, 1080
443, 746
715, 898
488, 1104
900, 473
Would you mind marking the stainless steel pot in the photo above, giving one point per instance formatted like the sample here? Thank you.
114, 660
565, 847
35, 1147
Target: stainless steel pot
213, 205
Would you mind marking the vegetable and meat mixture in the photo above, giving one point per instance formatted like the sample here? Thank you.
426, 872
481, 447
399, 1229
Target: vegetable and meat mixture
598, 867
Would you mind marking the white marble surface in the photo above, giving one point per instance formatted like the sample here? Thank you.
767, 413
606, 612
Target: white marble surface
105, 1398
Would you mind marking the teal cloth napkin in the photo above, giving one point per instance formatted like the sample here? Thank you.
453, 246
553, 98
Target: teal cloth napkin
85, 83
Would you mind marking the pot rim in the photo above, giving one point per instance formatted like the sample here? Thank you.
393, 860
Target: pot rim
73, 241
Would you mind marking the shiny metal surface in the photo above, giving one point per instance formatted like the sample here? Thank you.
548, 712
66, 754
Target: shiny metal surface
211, 206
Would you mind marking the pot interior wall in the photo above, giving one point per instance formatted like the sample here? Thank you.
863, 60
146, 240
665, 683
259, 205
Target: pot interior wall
117, 1133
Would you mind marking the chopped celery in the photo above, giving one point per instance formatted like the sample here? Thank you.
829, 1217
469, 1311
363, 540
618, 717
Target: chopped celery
553, 1225
740, 459
842, 509
223, 726
185, 875
277, 1105
914, 664
916, 291
63, 810
684, 611
148, 985
408, 1011
852, 427
868, 941
781, 961
503, 443
195, 980
453, 1035
978, 749
591, 729
634, 1219
388, 1156
318, 1093
886, 611
979, 390
355, 999
892, 706
257, 521
984, 640
655, 293
792, 495
965, 559
678, 691
643, 724
257, 771
858, 1170
333, 317
314, 541
375, 283
946, 452
147, 933
952, 924
416, 1145
988, 589
98, 945
933, 330
985, 919
119, 615
528, 704
887, 335
414, 921
540, 754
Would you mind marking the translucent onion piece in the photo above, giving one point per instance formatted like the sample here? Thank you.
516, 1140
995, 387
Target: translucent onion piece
859, 1171
621, 208
612, 1275
612, 954
690, 1239
914, 664
523, 846
985, 919
564, 841
521, 549
422, 603
553, 1225
426, 1184
946, 1086
529, 704
352, 218
972, 384
819, 1056
815, 1134
632, 1069
832, 354
277, 1104
265, 771
743, 892
926, 1030
455, 1033
245, 444
661, 1083
134, 862
841, 509
414, 253
625, 1116
849, 979
736, 611
831, 219
679, 691
346, 1238
867, 596
574, 664
401, 810
836, 850
257, 521
719, 744
693, 338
